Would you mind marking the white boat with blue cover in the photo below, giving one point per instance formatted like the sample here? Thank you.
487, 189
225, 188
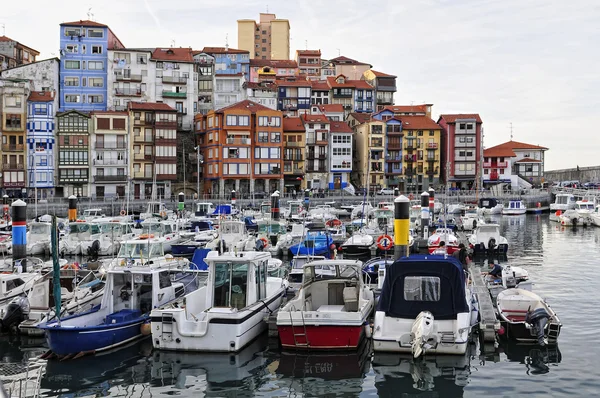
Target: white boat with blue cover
138, 281
426, 307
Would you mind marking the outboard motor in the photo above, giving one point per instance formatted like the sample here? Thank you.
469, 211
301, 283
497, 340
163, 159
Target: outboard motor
491, 245
538, 319
16, 312
94, 250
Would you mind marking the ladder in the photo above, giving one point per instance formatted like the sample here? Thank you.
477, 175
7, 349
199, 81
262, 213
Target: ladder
167, 326
299, 336
553, 331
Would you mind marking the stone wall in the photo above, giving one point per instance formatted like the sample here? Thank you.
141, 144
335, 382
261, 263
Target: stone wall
581, 174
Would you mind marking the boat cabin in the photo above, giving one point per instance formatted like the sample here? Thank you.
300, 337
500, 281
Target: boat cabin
563, 201
140, 250
488, 203
294, 208
10, 282
265, 208
41, 296
91, 214
204, 209
82, 229
42, 229
516, 205
584, 206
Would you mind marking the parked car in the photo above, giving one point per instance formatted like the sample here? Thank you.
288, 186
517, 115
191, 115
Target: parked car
385, 191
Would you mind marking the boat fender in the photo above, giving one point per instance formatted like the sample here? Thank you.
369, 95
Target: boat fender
123, 212
368, 330
145, 329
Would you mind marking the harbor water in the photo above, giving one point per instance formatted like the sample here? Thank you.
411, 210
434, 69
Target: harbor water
560, 261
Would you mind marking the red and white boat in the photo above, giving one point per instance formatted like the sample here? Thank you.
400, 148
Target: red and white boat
329, 311
445, 235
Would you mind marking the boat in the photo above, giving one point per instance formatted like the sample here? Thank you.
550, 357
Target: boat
232, 236
14, 285
297, 270
489, 206
78, 231
595, 216
111, 233
327, 312
572, 218
293, 210
204, 232
512, 277
455, 208
514, 208
584, 208
227, 313
358, 246
486, 239
527, 318
203, 209
469, 221
156, 209
445, 235
138, 281
92, 214
316, 242
374, 270
162, 228
426, 307
562, 203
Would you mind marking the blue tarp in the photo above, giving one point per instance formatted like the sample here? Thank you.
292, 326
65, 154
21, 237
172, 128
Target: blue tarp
222, 209
451, 299
198, 259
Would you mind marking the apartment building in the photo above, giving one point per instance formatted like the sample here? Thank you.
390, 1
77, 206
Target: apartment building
41, 107
131, 77
267, 39
110, 154
13, 53
294, 138
309, 63
73, 163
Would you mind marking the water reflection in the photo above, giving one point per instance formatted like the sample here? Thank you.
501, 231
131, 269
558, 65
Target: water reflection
445, 375
536, 359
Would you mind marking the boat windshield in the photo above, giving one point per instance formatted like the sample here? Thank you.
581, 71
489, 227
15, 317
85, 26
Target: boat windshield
91, 212
488, 228
168, 228
108, 228
265, 209
295, 208
152, 228
230, 284
202, 207
271, 228
231, 228
562, 199
155, 207
40, 229
83, 228
141, 250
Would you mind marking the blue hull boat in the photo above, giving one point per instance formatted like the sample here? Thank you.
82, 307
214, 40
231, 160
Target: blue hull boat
315, 244
185, 248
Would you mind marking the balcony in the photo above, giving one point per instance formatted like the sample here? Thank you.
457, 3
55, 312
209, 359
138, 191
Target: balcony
410, 158
141, 174
182, 111
165, 141
394, 145
174, 80
502, 165
173, 94
13, 166
390, 158
294, 144
311, 155
110, 178
376, 143
322, 156
166, 176
143, 156
143, 138
410, 172
110, 145
393, 171
14, 184
394, 130
431, 158
13, 147
432, 145
410, 145
129, 78
109, 162
431, 171
238, 141
165, 124
128, 92
310, 169
487, 164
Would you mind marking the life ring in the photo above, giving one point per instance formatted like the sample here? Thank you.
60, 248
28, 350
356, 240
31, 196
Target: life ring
70, 266
163, 214
123, 212
146, 236
384, 242
333, 223
411, 196
265, 242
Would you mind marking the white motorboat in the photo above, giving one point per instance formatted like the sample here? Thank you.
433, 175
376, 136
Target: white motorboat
327, 312
584, 208
232, 236
469, 221
226, 314
595, 216
514, 208
489, 206
572, 218
358, 246
78, 231
486, 239
361, 210
111, 233
92, 214
203, 210
38, 239
426, 307
512, 277
162, 228
297, 271
455, 208
13, 285
294, 210
527, 318
322, 213
562, 203
440, 235
285, 241
156, 210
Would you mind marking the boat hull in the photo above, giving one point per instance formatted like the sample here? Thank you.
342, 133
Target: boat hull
64, 340
321, 337
514, 212
455, 348
356, 251
183, 249
480, 249
519, 332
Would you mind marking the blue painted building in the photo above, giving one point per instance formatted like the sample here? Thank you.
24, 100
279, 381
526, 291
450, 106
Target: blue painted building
229, 61
40, 143
294, 96
84, 49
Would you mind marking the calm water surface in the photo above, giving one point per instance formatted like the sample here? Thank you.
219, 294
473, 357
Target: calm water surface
561, 262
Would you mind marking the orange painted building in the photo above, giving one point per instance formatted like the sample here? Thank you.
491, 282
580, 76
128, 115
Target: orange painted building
242, 149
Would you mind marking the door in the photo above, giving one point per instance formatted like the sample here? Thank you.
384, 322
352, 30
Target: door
99, 191
136, 191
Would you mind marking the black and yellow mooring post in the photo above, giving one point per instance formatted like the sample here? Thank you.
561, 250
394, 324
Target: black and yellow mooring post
72, 208
401, 226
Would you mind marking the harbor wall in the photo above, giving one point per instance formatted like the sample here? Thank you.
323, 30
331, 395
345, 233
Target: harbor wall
581, 174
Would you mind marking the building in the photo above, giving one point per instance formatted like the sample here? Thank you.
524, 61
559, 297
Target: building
309, 63
13, 112
293, 96
153, 149
110, 154
516, 163
264, 93
267, 39
232, 68
354, 95
317, 167
370, 153
333, 112
73, 164
42, 75
84, 47
320, 92
270, 69
41, 107
385, 87
205, 69
131, 77
463, 149
340, 155
242, 147
294, 142
13, 53
349, 67
407, 110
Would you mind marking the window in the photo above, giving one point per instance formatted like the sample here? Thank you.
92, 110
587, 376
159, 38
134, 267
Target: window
243, 120
72, 31
96, 82
95, 65
262, 136
96, 49
142, 59
40, 109
264, 40
71, 98
95, 99
275, 121
469, 126
72, 65
275, 137
231, 120
103, 124
72, 48
421, 288
431, 133
263, 120
462, 126
95, 33
71, 81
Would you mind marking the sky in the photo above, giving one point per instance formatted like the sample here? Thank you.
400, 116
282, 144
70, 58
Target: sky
531, 63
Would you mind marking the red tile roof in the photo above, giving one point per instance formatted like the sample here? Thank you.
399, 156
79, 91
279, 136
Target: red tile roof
381, 74
453, 118
310, 118
320, 85
346, 61
292, 124
223, 50
406, 108
359, 84
522, 145
274, 63
528, 160
245, 105
6, 39
340, 127
41, 96
309, 52
173, 54
150, 106
293, 83
261, 86
418, 123
331, 108
84, 22
361, 117
507, 149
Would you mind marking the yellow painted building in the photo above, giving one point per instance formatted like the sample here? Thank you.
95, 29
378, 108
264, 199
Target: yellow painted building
267, 39
421, 147
369, 153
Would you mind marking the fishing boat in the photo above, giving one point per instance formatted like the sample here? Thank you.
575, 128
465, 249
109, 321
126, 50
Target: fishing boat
327, 312
108, 240
426, 307
514, 208
316, 242
527, 318
440, 235
226, 314
78, 231
486, 239
138, 281
489, 206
